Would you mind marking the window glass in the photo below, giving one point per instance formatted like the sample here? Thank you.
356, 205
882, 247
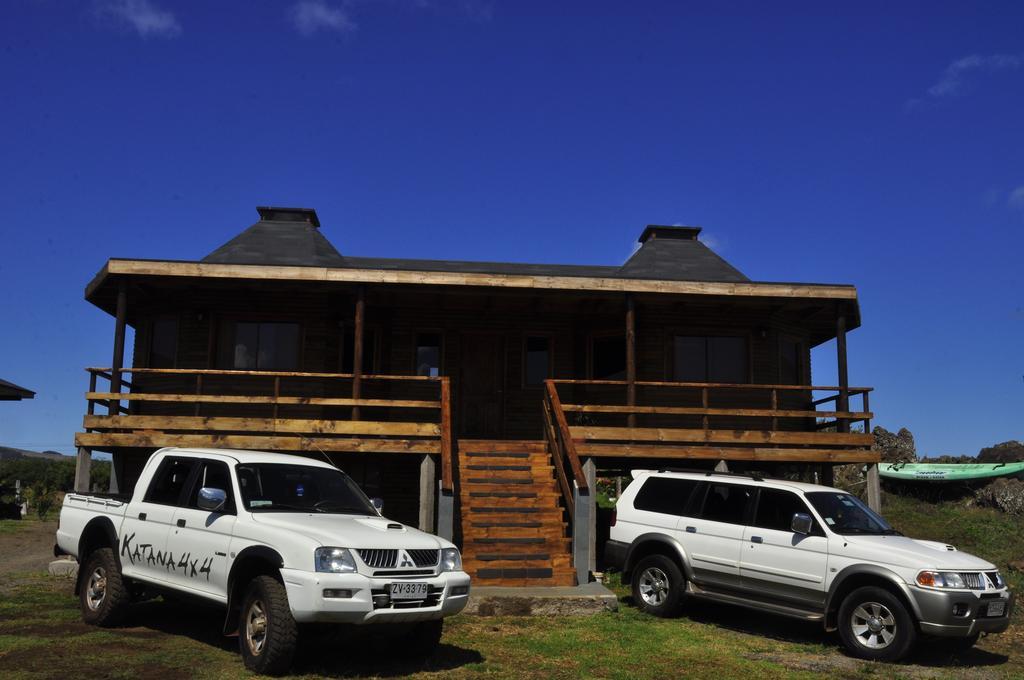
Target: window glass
726, 503
169, 481
348, 350
790, 362
538, 360
300, 488
264, 346
775, 509
608, 358
163, 346
664, 494
213, 474
846, 514
710, 359
278, 346
428, 354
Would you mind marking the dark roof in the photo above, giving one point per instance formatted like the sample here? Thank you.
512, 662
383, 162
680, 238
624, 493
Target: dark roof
11, 392
291, 236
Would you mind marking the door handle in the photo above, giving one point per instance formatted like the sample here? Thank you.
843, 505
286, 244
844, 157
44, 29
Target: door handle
181, 522
756, 539
142, 516
691, 530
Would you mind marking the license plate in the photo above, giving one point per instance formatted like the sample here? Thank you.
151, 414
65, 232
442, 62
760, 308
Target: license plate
409, 591
996, 608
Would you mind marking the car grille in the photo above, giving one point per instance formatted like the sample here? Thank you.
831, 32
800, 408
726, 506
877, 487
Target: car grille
973, 580
377, 558
425, 558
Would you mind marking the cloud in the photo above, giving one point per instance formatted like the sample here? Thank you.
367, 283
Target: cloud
1016, 198
310, 16
952, 82
141, 16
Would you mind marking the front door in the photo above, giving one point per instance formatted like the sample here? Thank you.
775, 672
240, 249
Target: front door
481, 388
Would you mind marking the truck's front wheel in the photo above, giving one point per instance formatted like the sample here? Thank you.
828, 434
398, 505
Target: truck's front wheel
267, 631
102, 591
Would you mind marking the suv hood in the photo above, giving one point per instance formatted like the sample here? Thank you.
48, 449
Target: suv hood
908, 552
350, 531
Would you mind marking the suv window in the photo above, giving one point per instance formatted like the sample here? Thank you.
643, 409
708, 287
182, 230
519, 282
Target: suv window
665, 494
775, 509
169, 481
213, 474
726, 503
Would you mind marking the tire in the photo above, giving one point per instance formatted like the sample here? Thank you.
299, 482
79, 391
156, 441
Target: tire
658, 586
874, 624
424, 638
103, 593
267, 633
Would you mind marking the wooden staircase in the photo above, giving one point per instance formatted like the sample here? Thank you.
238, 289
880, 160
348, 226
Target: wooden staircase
513, 524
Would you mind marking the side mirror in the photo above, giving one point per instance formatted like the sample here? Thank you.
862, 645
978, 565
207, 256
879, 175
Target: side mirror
378, 504
212, 499
802, 523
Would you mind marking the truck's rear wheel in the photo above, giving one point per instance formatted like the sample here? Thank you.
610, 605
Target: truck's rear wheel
267, 633
874, 624
102, 592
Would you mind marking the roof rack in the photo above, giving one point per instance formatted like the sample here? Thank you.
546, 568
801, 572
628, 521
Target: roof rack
707, 473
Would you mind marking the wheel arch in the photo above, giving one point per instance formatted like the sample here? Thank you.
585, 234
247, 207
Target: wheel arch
859, 576
98, 533
256, 560
655, 544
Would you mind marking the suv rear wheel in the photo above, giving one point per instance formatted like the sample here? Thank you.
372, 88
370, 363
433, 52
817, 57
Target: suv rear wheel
658, 586
874, 624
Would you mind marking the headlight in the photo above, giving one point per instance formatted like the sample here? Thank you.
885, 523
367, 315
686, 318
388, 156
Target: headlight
451, 560
941, 579
999, 582
335, 560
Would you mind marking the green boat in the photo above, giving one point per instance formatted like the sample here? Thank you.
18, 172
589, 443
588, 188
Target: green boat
950, 472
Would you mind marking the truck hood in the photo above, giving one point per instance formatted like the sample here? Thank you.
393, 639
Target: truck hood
912, 553
350, 531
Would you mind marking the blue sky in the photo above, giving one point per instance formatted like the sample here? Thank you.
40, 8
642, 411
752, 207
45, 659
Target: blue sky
877, 144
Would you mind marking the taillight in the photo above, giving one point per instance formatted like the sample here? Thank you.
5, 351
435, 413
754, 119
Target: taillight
614, 515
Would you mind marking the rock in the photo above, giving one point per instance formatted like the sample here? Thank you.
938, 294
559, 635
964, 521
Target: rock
64, 568
1007, 452
1016, 565
895, 448
1004, 494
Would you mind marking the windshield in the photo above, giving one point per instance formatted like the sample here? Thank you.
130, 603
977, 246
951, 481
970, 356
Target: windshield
847, 514
300, 488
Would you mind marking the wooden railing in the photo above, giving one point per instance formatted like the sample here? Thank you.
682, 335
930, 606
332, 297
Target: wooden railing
272, 410
568, 469
711, 420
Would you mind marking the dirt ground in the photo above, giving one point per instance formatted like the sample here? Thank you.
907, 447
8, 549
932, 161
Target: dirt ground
26, 546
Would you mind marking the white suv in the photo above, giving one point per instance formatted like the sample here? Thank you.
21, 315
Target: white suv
800, 550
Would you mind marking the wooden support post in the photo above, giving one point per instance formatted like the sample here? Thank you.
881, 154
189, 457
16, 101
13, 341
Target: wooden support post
874, 488
843, 402
83, 465
631, 357
91, 407
590, 471
116, 473
828, 477
428, 484
357, 349
114, 406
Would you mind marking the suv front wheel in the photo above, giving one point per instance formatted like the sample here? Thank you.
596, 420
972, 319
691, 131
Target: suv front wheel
874, 624
658, 586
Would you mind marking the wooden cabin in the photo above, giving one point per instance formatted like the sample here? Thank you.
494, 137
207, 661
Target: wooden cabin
479, 400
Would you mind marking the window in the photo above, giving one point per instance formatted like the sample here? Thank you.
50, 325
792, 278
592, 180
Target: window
665, 495
428, 354
537, 352
726, 503
791, 361
213, 474
263, 346
300, 488
847, 514
169, 481
775, 509
348, 344
710, 359
163, 342
608, 358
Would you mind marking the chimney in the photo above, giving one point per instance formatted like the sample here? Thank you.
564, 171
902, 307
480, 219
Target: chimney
654, 231
277, 214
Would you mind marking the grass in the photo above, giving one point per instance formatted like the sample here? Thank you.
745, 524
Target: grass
41, 634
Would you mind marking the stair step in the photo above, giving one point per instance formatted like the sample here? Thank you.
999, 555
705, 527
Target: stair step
534, 460
493, 529
487, 543
542, 488
557, 579
495, 445
472, 565
514, 572
497, 557
514, 510
510, 504
500, 480
503, 468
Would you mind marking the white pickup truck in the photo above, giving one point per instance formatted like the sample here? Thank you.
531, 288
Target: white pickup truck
278, 540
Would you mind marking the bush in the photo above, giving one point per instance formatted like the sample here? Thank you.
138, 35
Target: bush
1005, 494
41, 499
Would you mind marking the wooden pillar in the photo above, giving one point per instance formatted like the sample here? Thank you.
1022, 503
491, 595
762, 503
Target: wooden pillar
590, 472
357, 349
828, 477
83, 465
428, 484
843, 402
117, 363
631, 357
874, 488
